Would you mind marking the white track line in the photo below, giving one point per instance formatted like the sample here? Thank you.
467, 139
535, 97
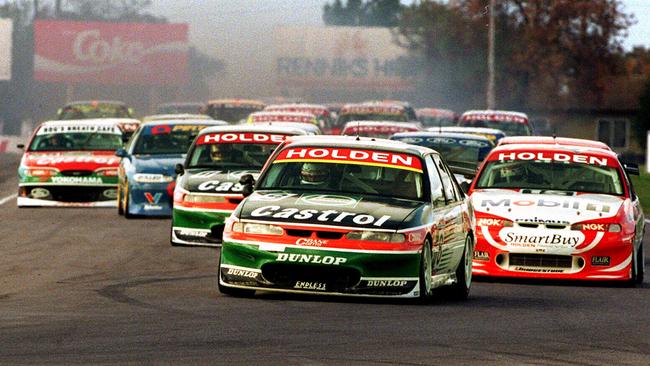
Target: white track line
7, 199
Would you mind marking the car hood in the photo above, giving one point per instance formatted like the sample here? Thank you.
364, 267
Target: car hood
532, 206
71, 160
338, 210
214, 181
157, 164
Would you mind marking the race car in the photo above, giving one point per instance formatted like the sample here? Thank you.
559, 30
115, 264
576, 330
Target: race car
232, 110
349, 216
491, 134
70, 163
371, 111
378, 129
207, 187
176, 117
436, 117
462, 152
295, 117
309, 128
411, 114
557, 209
94, 109
322, 114
512, 123
146, 175
180, 108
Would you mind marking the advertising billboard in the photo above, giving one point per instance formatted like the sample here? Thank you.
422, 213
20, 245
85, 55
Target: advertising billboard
110, 53
6, 29
340, 58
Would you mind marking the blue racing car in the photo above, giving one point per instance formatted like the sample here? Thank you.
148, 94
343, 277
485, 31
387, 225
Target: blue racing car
146, 175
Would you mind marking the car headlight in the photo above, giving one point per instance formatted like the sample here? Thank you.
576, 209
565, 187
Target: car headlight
251, 228
41, 172
152, 178
202, 198
612, 228
376, 236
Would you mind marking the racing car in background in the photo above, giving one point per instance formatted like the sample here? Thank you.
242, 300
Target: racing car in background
512, 123
349, 216
105, 109
232, 110
322, 114
146, 175
180, 108
372, 111
436, 117
491, 134
557, 208
463, 153
294, 117
208, 188
378, 129
70, 163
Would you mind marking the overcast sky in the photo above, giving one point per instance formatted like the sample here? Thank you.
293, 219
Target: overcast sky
214, 22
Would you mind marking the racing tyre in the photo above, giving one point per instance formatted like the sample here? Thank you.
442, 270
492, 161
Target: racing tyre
460, 290
120, 208
426, 272
126, 202
638, 266
231, 291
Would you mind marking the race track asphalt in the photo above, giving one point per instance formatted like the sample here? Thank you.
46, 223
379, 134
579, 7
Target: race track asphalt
85, 286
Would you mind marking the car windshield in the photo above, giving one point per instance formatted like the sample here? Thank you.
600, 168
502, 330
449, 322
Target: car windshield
456, 151
230, 113
555, 176
437, 121
344, 118
228, 155
94, 110
341, 177
166, 139
509, 128
84, 141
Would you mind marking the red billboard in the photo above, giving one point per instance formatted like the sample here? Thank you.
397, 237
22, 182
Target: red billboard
110, 53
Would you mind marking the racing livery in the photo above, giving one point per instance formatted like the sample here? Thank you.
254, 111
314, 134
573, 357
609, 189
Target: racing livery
350, 216
435, 117
146, 175
322, 114
208, 188
293, 117
70, 163
512, 123
491, 134
372, 111
379, 129
557, 211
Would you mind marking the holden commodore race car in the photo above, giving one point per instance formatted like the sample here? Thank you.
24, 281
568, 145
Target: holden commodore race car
146, 175
321, 112
462, 152
562, 210
491, 134
512, 123
294, 117
349, 216
371, 112
94, 109
436, 117
232, 110
207, 187
69, 163
379, 129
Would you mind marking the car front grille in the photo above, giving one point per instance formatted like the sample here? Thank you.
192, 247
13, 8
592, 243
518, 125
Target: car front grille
540, 260
286, 275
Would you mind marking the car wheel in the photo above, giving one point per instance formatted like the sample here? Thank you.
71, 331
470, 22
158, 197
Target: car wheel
126, 202
120, 208
231, 291
638, 264
460, 290
426, 272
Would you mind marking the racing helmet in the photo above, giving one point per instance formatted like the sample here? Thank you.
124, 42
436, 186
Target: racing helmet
218, 152
314, 173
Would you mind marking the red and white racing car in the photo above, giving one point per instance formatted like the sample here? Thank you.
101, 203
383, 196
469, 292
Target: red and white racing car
557, 209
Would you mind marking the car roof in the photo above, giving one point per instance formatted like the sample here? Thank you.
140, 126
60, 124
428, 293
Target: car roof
213, 122
255, 128
282, 113
548, 140
93, 121
295, 105
454, 135
299, 125
368, 143
237, 101
155, 117
518, 117
435, 112
379, 105
463, 129
352, 124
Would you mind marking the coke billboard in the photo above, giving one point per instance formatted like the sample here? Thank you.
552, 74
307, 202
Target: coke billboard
110, 53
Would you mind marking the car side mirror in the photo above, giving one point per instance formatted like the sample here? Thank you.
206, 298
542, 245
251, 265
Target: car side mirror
20, 146
121, 153
247, 181
464, 185
179, 169
631, 168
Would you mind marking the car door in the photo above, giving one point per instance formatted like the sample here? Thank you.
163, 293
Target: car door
439, 213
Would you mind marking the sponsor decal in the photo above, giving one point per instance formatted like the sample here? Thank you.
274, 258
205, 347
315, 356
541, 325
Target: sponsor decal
190, 232
311, 258
218, 186
85, 128
387, 283
537, 220
309, 242
271, 197
559, 157
153, 198
378, 109
313, 110
77, 180
309, 285
149, 207
350, 156
538, 270
480, 255
207, 174
282, 118
241, 273
445, 141
534, 238
167, 129
378, 129
328, 200
489, 222
241, 138
53, 160
504, 117
323, 216
569, 204
600, 261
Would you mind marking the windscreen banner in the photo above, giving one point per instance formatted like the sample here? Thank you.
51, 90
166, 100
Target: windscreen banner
6, 29
110, 53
